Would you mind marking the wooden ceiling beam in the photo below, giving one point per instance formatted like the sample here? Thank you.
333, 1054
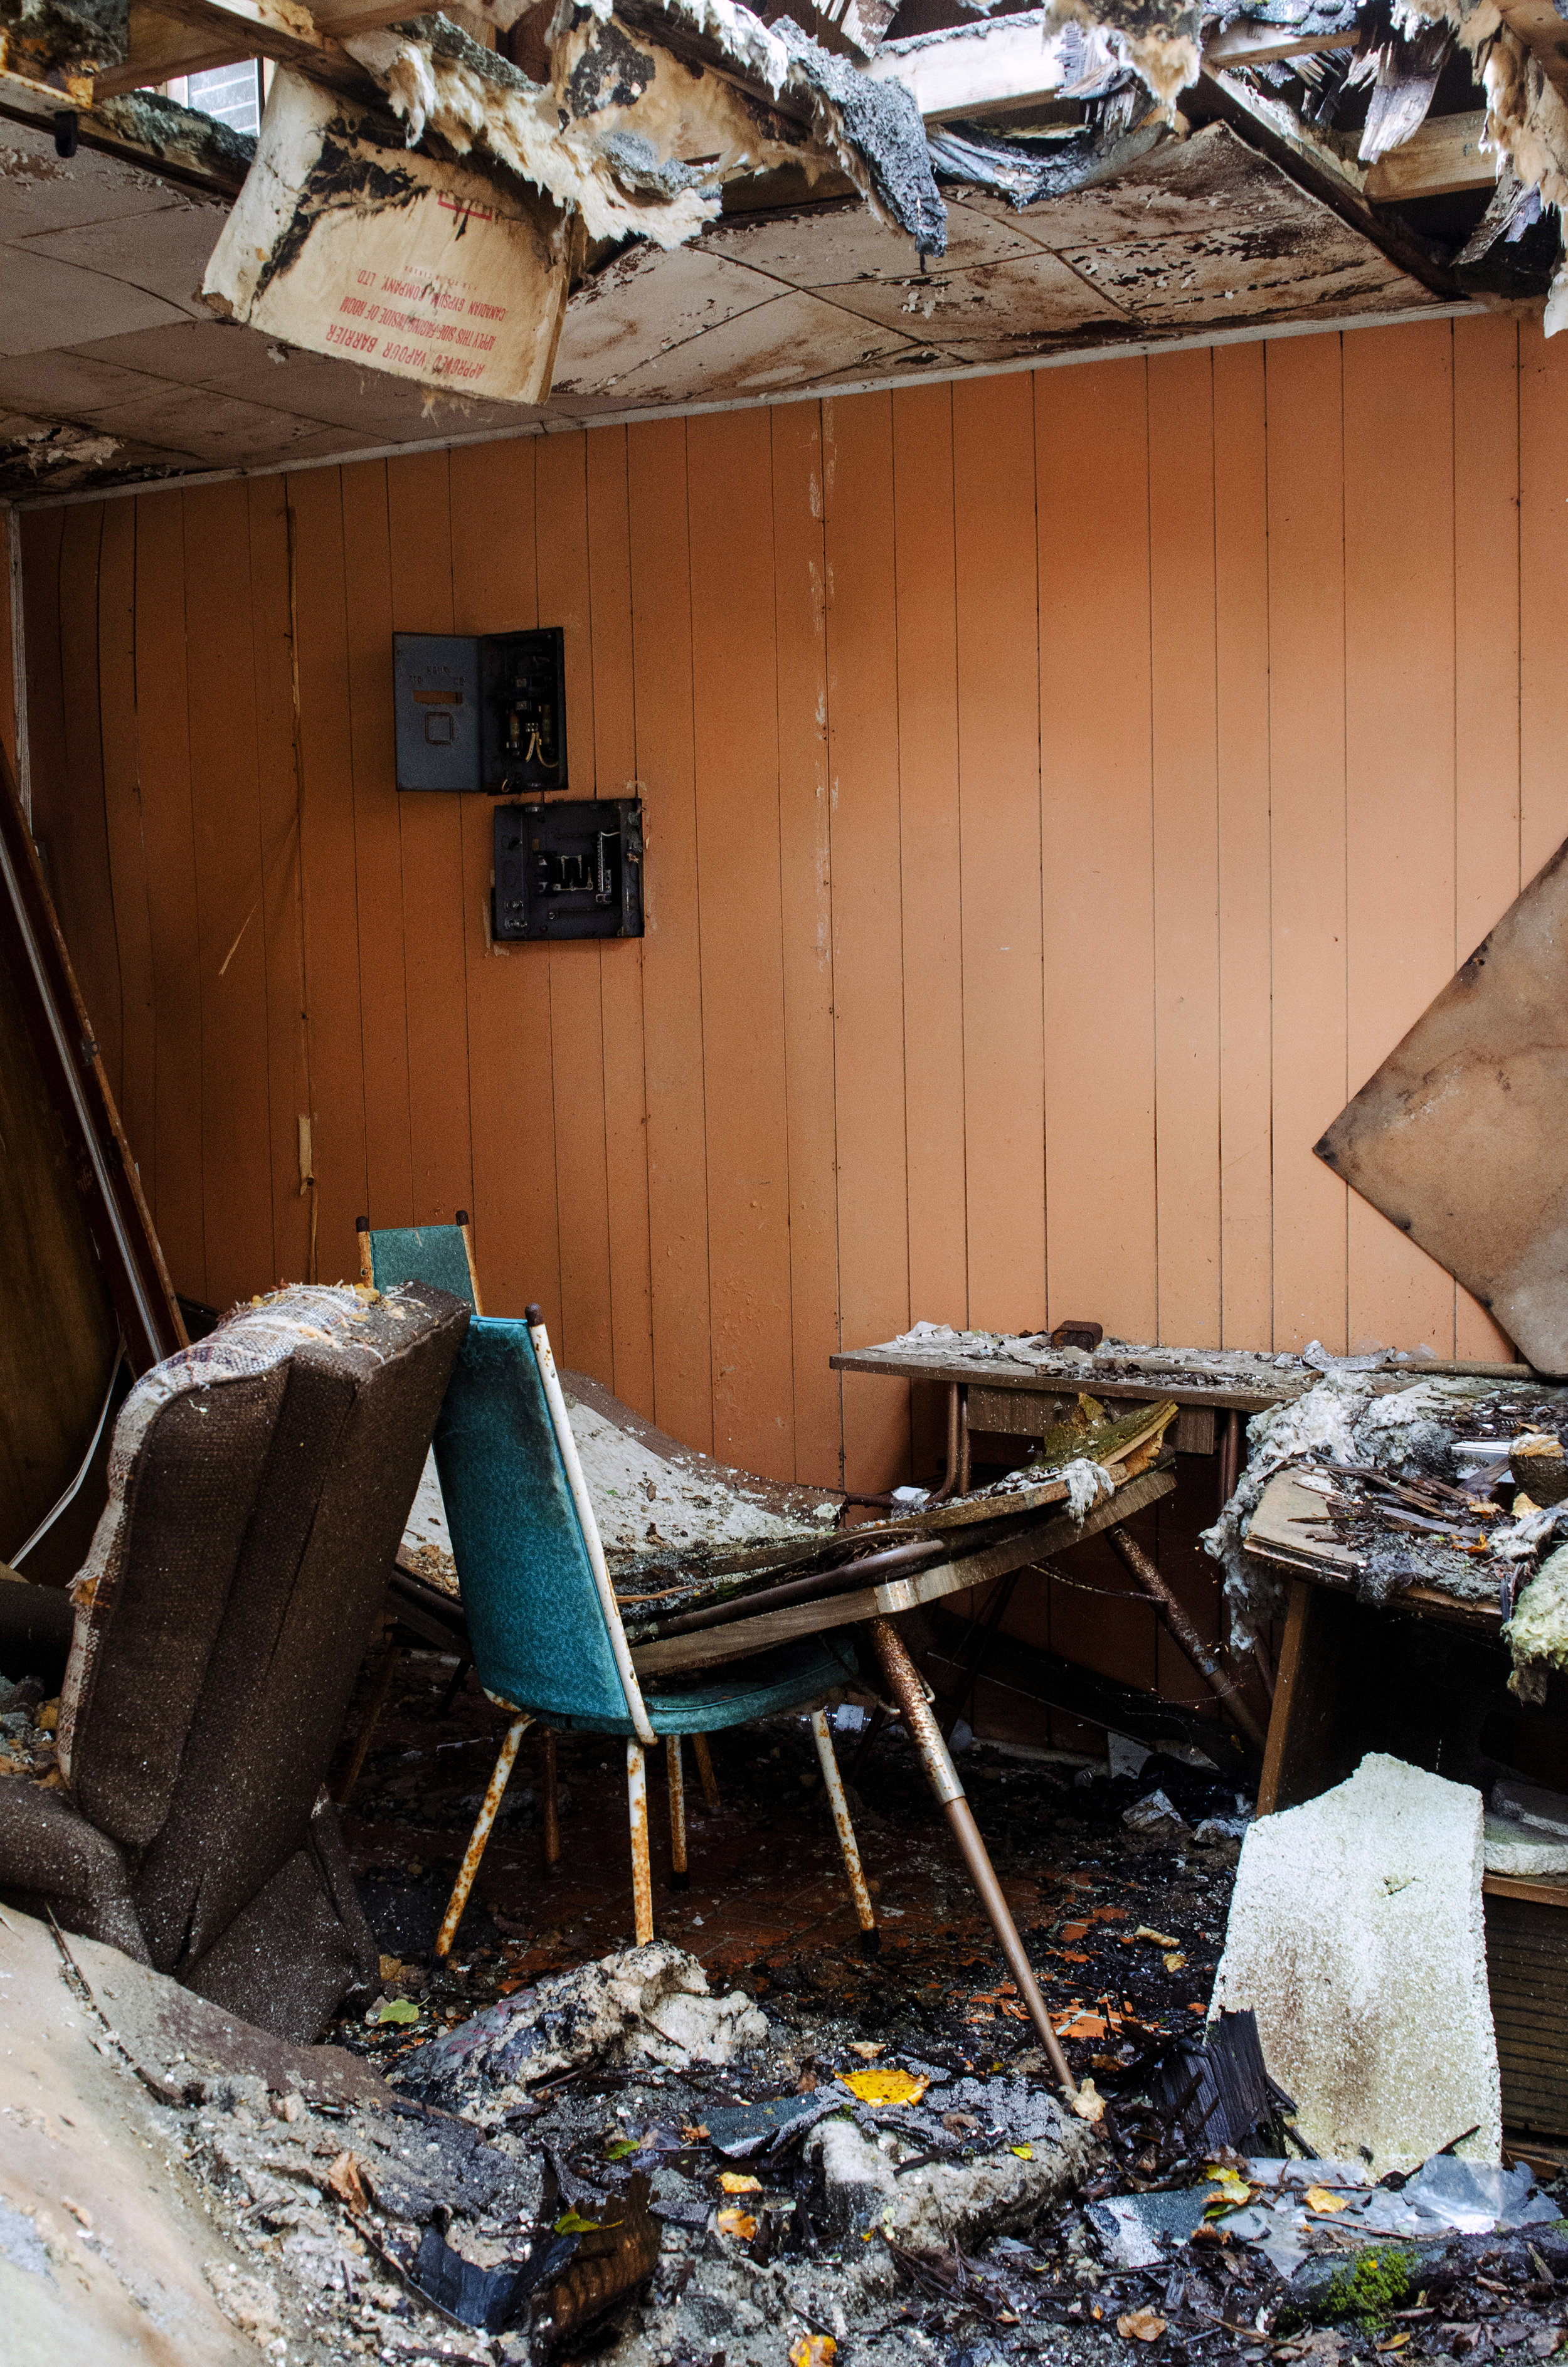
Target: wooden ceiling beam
1247, 42
1445, 155
193, 36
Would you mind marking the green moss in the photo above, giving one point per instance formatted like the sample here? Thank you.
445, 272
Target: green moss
1367, 2288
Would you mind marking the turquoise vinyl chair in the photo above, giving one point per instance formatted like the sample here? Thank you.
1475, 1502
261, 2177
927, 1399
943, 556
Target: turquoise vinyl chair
545, 1625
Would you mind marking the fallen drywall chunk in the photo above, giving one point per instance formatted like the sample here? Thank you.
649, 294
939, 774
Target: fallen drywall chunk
344, 243
652, 2003
1355, 1937
1538, 1632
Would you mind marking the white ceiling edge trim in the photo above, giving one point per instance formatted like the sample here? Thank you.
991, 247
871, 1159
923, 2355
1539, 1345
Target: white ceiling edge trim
1461, 308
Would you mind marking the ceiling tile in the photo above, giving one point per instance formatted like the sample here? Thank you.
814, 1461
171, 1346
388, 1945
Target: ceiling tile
45, 303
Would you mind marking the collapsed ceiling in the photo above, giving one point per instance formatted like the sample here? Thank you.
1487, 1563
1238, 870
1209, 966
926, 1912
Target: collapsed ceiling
543, 215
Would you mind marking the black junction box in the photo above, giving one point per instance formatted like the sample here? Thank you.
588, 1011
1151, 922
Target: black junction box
574, 869
483, 712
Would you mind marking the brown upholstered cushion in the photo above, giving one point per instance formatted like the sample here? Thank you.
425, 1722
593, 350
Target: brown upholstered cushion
287, 1959
51, 1854
305, 1594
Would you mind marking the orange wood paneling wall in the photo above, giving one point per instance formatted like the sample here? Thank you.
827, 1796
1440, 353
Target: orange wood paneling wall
1062, 790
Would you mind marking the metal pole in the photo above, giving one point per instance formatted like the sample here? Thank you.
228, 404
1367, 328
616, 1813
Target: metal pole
1204, 1660
637, 1811
706, 1777
679, 1877
870, 1938
480, 1835
904, 1683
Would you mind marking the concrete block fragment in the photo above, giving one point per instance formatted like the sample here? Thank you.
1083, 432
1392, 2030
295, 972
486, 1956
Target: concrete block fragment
1523, 1850
1355, 1937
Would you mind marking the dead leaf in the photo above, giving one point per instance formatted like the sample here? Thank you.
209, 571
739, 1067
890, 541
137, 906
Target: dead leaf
738, 2223
813, 2350
1140, 2326
1161, 1939
959, 2123
1088, 2103
883, 2090
868, 2047
391, 1968
572, 2223
1318, 2198
1175, 1961
694, 2132
345, 2179
734, 2182
1023, 2152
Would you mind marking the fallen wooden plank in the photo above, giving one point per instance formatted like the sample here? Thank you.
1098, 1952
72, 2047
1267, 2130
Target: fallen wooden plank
744, 1638
975, 69
221, 32
1247, 42
1280, 1534
1445, 155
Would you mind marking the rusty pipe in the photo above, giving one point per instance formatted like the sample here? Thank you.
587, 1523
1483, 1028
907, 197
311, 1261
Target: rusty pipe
963, 1439
940, 1495
1225, 1688
904, 1686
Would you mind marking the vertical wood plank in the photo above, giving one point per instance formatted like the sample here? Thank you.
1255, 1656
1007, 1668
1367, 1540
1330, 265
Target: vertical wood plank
389, 984
1486, 671
1306, 656
736, 748
998, 619
1399, 640
1544, 576
931, 865
1182, 613
806, 908
430, 832
576, 1010
135, 1090
517, 1238
281, 918
228, 967
81, 881
336, 1032
1097, 846
1241, 676
870, 1051
657, 487
621, 962
163, 734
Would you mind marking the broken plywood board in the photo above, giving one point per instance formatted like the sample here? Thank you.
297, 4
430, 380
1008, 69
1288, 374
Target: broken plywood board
1457, 1137
346, 243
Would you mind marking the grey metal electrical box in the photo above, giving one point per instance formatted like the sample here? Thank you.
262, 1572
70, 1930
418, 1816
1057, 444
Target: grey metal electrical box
569, 870
484, 712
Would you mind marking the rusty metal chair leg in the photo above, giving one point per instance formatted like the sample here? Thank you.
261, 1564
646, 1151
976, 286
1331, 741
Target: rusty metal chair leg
904, 1683
480, 1835
680, 1879
552, 1805
870, 1938
1224, 1687
706, 1777
386, 1669
637, 1811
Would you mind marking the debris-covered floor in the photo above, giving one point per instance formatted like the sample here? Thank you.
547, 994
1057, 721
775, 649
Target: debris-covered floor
595, 2136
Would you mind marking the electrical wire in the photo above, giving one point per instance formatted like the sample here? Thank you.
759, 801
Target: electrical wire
75, 1488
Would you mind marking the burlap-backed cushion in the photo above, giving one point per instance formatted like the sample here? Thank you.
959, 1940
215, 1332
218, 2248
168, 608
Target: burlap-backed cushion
189, 1448
348, 1446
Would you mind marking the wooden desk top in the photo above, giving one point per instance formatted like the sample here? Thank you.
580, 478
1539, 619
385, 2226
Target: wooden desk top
1230, 1379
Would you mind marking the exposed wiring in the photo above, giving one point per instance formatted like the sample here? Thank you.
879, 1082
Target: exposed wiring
75, 1488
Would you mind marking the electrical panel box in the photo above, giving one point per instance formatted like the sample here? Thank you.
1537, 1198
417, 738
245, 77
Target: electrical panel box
569, 870
483, 712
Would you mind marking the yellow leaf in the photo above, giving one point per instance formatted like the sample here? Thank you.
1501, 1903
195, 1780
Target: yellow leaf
738, 2223
1394, 2342
1161, 1939
1175, 1961
1140, 2326
812, 2351
1025, 2153
734, 2183
882, 2090
1318, 2198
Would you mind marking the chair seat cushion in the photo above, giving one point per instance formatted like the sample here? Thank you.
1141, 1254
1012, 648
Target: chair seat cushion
769, 1685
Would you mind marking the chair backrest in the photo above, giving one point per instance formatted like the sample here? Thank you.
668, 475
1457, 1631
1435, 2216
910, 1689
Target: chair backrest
441, 1255
544, 1636
259, 1484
